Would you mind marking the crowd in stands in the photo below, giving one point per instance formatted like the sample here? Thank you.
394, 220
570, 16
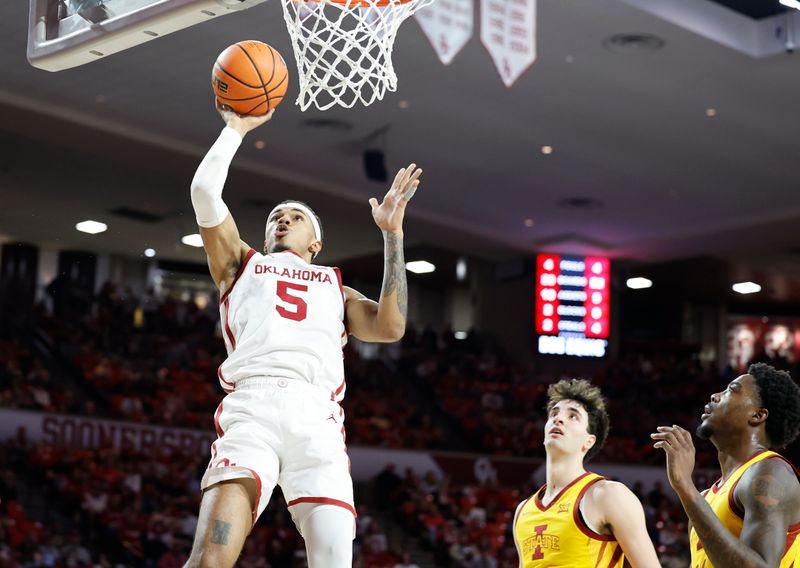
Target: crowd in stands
469, 526
154, 361
103, 508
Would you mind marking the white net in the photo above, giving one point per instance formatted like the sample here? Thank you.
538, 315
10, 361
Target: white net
344, 48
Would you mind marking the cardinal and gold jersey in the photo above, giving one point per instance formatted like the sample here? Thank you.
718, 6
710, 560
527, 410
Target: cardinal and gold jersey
720, 498
556, 535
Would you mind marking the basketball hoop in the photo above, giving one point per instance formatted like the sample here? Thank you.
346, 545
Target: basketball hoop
344, 48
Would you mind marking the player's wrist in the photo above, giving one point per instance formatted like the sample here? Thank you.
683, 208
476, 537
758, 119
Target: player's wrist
237, 126
395, 234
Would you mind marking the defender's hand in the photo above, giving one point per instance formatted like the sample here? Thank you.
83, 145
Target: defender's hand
389, 214
242, 124
677, 444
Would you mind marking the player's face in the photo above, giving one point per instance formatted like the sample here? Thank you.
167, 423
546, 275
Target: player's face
290, 229
731, 408
566, 429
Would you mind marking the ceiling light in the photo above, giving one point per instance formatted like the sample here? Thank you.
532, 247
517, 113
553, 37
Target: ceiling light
529, 222
460, 335
547, 150
639, 283
711, 112
791, 3
91, 227
461, 269
420, 267
149, 253
746, 287
193, 240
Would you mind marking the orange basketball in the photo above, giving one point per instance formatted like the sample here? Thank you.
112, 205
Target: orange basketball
250, 78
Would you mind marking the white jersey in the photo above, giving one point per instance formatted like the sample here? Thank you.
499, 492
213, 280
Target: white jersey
284, 317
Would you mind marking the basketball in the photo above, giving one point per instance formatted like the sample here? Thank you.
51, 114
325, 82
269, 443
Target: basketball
250, 78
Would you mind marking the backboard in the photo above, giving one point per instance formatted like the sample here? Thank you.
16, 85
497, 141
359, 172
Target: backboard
68, 33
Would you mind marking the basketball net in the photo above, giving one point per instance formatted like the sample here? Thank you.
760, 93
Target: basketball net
344, 48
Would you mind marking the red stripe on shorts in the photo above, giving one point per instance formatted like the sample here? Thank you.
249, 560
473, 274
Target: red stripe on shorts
323, 501
258, 494
217, 427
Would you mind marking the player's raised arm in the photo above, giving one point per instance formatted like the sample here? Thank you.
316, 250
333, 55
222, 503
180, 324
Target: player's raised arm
224, 248
385, 320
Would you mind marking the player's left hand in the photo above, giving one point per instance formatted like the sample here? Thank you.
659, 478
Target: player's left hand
677, 444
389, 214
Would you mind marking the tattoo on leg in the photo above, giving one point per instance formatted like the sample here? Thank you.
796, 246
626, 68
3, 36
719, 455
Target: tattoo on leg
221, 534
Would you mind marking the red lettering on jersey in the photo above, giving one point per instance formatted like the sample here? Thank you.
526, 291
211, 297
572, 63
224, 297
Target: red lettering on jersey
295, 274
301, 308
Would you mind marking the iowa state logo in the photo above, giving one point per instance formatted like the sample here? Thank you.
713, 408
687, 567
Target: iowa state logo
539, 544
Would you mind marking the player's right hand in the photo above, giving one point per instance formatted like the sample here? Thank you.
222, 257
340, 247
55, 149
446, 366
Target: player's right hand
242, 124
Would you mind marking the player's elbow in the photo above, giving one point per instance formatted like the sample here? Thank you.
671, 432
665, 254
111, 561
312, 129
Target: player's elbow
393, 332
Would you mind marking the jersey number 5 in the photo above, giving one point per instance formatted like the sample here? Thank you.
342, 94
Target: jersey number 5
284, 293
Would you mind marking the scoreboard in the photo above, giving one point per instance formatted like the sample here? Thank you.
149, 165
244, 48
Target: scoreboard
572, 305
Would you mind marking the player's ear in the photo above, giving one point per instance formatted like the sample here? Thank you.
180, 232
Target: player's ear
315, 247
590, 441
759, 416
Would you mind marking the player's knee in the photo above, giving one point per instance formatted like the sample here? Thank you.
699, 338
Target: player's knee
332, 554
328, 533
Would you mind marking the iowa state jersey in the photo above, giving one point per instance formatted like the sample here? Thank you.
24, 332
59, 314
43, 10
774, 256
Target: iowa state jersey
720, 499
284, 317
555, 536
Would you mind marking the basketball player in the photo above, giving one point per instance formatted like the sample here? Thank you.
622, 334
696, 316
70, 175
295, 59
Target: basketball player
579, 519
751, 516
284, 323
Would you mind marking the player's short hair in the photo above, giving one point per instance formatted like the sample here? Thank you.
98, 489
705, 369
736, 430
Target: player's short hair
780, 395
590, 397
319, 221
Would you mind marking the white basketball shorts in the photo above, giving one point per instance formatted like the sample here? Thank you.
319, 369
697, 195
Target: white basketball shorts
285, 432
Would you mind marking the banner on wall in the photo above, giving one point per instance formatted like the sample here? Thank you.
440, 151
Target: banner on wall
762, 339
460, 468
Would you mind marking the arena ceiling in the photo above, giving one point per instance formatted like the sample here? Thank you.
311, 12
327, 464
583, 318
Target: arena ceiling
642, 167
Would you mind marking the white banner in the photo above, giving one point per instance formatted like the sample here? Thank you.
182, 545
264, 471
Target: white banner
81, 432
448, 25
508, 31
87, 433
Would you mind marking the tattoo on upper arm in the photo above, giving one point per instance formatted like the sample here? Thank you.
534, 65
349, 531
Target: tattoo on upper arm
394, 273
766, 501
768, 492
221, 534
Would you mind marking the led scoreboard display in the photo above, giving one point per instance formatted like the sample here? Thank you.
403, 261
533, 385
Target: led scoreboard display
572, 305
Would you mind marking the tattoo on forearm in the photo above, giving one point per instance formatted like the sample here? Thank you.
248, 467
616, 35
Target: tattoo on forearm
394, 272
221, 534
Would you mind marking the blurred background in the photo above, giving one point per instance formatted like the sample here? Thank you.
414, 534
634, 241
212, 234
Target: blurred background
610, 192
